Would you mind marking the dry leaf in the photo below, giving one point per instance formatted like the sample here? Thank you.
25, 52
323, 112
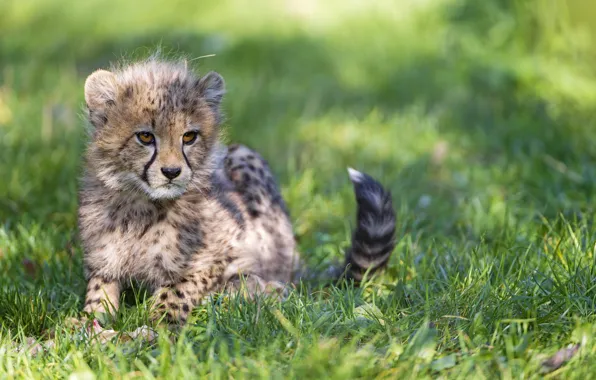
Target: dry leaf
559, 358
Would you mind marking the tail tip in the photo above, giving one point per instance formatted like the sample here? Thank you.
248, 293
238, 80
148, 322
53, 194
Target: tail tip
355, 175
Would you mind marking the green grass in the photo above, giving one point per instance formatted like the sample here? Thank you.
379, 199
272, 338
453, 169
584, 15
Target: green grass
479, 115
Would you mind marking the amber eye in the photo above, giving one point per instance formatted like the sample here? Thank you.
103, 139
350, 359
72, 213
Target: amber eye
146, 138
189, 137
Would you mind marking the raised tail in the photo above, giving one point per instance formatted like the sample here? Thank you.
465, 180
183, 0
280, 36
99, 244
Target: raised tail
373, 240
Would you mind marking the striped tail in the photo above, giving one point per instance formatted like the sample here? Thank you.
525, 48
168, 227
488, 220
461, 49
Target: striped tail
374, 237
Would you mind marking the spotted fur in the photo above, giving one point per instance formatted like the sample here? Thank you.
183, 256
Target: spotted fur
190, 216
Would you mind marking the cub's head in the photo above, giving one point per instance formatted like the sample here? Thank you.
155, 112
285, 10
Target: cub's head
156, 125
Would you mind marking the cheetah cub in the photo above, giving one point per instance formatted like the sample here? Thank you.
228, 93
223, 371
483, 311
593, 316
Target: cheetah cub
163, 202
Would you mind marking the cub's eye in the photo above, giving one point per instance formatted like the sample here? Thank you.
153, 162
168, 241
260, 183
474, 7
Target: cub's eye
146, 138
189, 137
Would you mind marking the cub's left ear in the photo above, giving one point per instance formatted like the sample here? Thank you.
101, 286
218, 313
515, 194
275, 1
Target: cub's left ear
100, 93
212, 88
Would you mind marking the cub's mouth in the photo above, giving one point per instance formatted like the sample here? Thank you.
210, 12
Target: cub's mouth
169, 190
172, 186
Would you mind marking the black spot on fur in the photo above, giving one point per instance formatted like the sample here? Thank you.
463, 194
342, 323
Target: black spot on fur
144, 231
124, 223
128, 92
190, 237
231, 208
158, 261
271, 187
185, 308
179, 294
269, 229
161, 216
163, 296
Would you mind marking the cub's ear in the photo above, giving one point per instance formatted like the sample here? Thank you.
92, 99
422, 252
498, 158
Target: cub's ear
100, 93
212, 88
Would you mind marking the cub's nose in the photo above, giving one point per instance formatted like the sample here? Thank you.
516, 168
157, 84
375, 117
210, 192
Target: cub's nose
171, 173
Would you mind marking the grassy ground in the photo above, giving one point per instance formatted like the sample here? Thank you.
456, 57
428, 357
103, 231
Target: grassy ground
479, 115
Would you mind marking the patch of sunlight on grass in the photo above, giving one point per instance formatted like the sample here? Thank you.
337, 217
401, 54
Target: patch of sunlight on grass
339, 12
5, 111
582, 17
375, 136
374, 53
562, 83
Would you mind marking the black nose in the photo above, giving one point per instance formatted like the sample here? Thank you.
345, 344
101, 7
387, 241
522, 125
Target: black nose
171, 173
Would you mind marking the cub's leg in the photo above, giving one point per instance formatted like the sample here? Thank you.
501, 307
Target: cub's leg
177, 301
102, 296
251, 285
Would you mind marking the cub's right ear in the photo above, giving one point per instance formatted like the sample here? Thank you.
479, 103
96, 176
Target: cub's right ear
100, 93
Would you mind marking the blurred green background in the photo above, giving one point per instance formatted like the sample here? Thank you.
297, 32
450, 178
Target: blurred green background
481, 110
477, 114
